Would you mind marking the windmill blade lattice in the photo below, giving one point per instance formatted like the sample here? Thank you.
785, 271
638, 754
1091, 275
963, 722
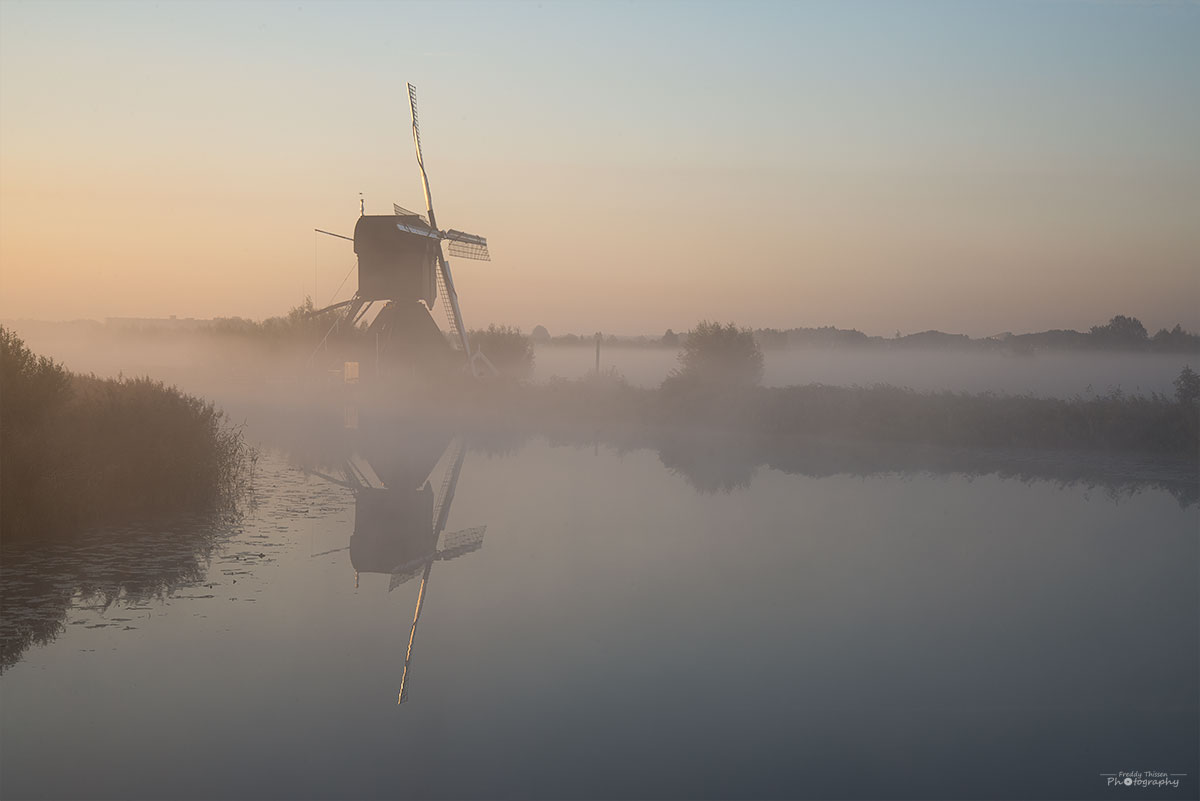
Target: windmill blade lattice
461, 543
406, 573
400, 211
467, 246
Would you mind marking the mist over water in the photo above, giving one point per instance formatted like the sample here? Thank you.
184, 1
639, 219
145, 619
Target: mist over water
200, 363
1047, 374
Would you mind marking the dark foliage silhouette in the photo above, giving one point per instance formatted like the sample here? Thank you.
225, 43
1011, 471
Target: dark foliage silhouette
82, 451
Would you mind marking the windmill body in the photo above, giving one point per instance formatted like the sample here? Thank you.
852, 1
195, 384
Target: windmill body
401, 264
395, 263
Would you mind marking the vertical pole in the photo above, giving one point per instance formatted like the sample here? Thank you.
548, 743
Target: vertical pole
598, 338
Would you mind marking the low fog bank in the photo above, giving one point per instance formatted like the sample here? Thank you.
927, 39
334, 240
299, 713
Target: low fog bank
195, 362
1057, 374
718, 441
223, 366
1108, 402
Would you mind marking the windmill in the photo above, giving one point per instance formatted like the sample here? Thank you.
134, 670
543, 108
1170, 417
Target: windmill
400, 520
401, 263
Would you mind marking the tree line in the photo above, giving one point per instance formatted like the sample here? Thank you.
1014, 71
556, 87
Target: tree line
1119, 333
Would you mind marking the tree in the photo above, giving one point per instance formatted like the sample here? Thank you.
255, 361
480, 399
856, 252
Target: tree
509, 350
1120, 332
1175, 340
721, 354
540, 335
1187, 387
670, 339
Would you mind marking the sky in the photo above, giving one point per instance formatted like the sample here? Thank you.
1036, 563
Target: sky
970, 167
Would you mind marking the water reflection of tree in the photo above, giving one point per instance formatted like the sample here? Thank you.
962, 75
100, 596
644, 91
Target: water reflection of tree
722, 452
710, 463
713, 461
127, 567
1117, 474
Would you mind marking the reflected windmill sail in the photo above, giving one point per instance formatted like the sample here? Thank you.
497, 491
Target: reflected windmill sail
400, 518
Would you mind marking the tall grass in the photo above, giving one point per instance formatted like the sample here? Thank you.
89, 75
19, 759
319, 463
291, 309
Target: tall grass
79, 451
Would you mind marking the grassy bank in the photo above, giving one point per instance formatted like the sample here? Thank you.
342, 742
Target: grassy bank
78, 451
1109, 423
718, 437
717, 388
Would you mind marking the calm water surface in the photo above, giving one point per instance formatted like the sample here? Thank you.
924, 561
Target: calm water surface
593, 626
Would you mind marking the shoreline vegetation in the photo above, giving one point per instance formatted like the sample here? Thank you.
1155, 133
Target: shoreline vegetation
299, 325
712, 422
78, 451
717, 388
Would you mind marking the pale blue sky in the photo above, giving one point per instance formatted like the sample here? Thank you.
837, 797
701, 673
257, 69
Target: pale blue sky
775, 163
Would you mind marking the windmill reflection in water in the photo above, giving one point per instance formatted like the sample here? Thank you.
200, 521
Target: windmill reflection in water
400, 519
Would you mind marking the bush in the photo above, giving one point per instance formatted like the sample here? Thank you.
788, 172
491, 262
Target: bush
1187, 387
509, 350
720, 354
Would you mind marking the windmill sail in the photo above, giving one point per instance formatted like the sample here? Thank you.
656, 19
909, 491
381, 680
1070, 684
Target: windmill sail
445, 493
401, 261
405, 573
467, 246
461, 543
412, 105
443, 266
400, 211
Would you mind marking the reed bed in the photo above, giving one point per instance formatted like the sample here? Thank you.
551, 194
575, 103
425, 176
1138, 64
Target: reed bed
79, 451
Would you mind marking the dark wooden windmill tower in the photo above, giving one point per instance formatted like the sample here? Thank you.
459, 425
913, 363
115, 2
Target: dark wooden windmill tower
401, 264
